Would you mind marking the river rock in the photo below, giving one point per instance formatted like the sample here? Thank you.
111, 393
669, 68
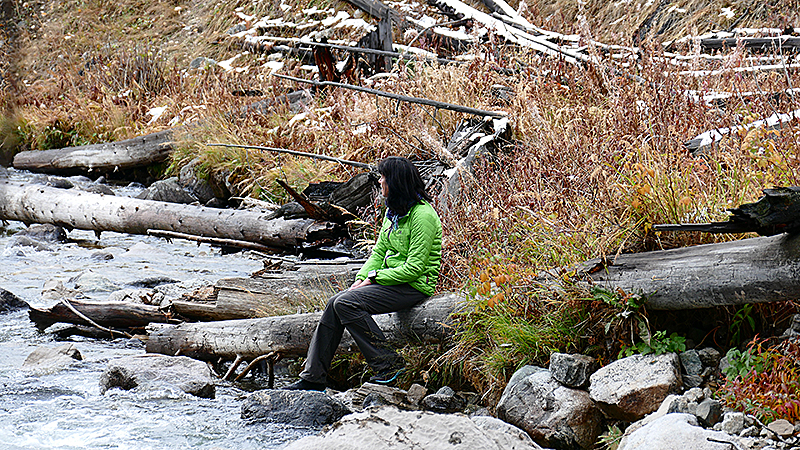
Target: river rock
10, 302
197, 186
3, 172
55, 290
141, 296
782, 428
298, 408
443, 401
97, 188
52, 358
794, 327
552, 414
733, 423
44, 233
90, 281
390, 428
155, 371
572, 370
168, 190
371, 393
631, 387
709, 412
674, 431
25, 241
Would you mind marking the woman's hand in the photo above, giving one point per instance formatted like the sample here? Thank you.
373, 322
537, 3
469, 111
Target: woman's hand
360, 283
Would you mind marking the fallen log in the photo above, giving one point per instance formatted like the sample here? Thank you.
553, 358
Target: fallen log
707, 140
272, 291
87, 211
107, 314
763, 269
289, 335
101, 159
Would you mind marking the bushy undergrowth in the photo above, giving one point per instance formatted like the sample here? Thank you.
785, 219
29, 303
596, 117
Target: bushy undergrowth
764, 380
596, 159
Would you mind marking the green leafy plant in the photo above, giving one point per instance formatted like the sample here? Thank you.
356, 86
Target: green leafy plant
610, 439
742, 317
658, 344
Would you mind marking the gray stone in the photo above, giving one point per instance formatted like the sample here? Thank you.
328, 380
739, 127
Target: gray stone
141, 296
632, 387
90, 281
692, 381
10, 302
416, 393
709, 412
102, 255
732, 423
681, 405
675, 431
694, 394
794, 327
572, 370
552, 414
390, 428
443, 401
690, 360
99, 189
168, 190
197, 186
710, 357
3, 172
47, 359
378, 394
782, 427
44, 233
150, 371
298, 408
25, 241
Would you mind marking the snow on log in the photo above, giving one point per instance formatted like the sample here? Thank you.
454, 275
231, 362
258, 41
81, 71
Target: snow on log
87, 211
289, 335
763, 269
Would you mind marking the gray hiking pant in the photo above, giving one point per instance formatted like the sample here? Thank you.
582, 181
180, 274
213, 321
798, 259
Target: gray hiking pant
353, 310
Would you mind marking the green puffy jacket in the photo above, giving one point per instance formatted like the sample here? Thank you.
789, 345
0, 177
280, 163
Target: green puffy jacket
411, 254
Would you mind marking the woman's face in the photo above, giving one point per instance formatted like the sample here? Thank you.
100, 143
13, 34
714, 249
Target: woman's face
384, 186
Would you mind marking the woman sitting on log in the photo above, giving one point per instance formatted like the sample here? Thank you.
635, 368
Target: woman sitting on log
401, 272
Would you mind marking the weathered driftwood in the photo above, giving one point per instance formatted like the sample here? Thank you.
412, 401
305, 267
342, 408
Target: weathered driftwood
289, 335
776, 44
83, 210
763, 269
106, 314
405, 98
707, 140
110, 157
233, 243
283, 290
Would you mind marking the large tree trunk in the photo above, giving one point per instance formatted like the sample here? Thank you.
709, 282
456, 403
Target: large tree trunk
289, 335
105, 158
83, 210
763, 269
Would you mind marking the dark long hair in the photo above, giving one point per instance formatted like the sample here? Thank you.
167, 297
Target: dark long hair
405, 184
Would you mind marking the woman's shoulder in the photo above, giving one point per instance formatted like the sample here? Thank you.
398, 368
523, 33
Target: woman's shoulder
423, 209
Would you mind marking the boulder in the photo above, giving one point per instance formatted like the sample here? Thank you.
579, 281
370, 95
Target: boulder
298, 408
782, 428
675, 431
733, 423
552, 414
632, 387
44, 233
390, 428
169, 190
10, 302
371, 393
52, 358
572, 370
709, 412
196, 186
150, 371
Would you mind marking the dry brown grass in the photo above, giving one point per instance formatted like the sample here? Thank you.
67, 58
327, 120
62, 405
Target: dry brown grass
596, 160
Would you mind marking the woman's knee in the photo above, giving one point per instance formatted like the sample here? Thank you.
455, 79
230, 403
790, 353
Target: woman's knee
347, 308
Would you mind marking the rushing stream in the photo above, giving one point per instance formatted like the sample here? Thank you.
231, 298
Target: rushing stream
64, 409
